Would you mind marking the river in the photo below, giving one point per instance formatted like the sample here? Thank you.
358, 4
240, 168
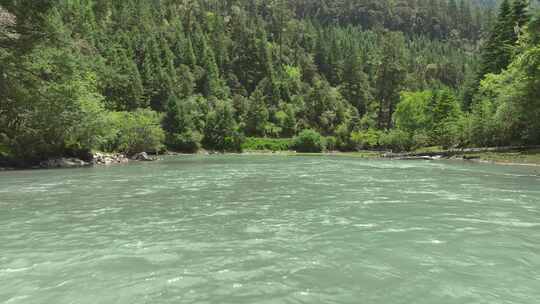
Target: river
271, 229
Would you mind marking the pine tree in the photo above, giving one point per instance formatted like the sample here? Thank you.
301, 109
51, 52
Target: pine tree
172, 122
123, 85
211, 84
466, 20
179, 125
221, 130
186, 81
257, 115
455, 17
520, 13
497, 51
390, 77
356, 88
189, 57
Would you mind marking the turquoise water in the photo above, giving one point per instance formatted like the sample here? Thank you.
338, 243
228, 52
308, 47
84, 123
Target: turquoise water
271, 229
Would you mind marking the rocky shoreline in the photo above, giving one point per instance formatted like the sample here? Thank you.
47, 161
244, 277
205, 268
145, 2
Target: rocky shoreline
94, 159
472, 155
509, 155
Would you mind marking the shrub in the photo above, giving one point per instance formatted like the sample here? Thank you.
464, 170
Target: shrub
221, 130
367, 139
411, 112
180, 125
309, 141
397, 140
447, 134
343, 138
135, 132
188, 142
64, 115
331, 143
234, 142
267, 144
420, 139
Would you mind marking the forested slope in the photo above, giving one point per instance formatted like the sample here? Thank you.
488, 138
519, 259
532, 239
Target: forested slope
133, 75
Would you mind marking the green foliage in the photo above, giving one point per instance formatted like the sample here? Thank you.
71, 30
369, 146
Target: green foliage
135, 132
217, 70
444, 113
390, 77
46, 119
331, 143
498, 48
508, 108
257, 115
267, 144
180, 126
411, 111
184, 142
221, 131
356, 88
343, 138
309, 141
367, 139
428, 118
325, 107
396, 140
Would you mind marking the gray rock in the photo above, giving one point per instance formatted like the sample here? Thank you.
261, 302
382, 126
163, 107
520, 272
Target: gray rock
108, 159
143, 156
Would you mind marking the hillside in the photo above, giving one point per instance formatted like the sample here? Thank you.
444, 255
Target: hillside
222, 70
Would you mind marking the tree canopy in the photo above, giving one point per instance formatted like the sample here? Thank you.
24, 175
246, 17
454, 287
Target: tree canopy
210, 72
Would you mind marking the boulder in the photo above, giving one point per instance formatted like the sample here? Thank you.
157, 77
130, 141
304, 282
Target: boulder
143, 156
108, 159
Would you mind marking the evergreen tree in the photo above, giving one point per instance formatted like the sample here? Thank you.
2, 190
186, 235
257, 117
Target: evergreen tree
179, 125
123, 86
257, 115
497, 51
390, 77
221, 131
211, 83
520, 13
356, 88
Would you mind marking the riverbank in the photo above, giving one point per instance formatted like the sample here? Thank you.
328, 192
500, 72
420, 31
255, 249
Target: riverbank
90, 160
524, 156
519, 156
529, 156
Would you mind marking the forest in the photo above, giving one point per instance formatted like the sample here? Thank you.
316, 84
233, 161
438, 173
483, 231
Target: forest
227, 75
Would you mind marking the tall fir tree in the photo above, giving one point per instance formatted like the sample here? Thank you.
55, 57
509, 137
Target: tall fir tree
520, 13
497, 51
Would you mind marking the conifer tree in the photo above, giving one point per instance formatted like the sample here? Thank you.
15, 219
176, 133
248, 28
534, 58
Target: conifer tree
356, 88
257, 115
211, 84
390, 77
221, 130
520, 13
496, 53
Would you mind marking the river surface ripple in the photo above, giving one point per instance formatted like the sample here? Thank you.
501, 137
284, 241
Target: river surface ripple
271, 229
